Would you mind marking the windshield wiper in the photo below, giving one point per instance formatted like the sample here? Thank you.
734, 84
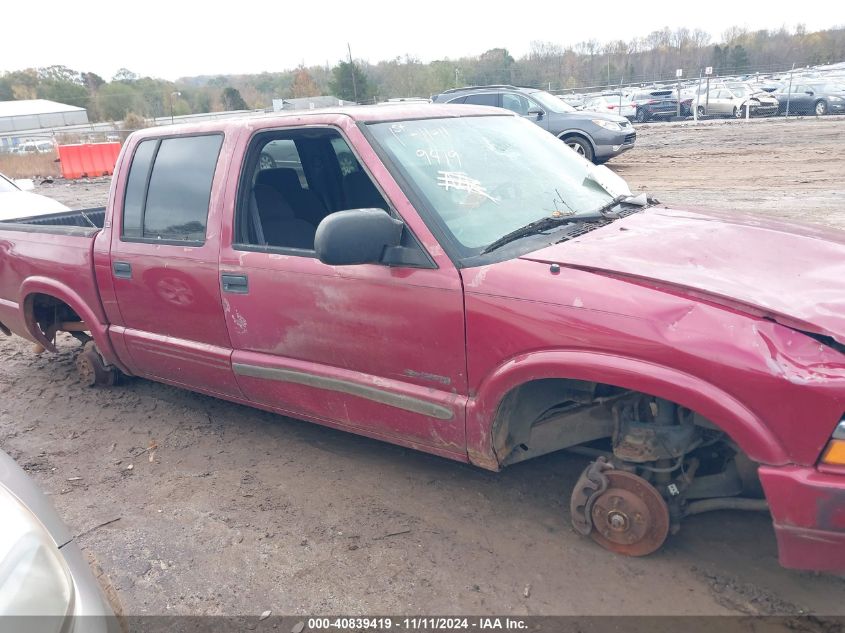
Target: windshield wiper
548, 223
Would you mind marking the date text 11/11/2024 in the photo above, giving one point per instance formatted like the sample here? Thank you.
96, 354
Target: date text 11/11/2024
418, 623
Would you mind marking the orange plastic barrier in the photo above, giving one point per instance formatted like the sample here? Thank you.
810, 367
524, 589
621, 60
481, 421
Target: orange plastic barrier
88, 160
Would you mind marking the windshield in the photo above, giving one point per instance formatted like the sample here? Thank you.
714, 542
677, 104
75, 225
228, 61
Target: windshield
484, 177
7, 186
551, 102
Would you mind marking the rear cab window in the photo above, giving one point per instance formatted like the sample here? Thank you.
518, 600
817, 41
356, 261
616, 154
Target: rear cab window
169, 189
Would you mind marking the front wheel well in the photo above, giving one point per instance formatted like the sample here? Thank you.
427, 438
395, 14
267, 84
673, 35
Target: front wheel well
549, 401
581, 135
551, 414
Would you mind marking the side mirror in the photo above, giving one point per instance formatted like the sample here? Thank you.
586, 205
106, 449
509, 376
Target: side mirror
356, 236
809, 92
536, 111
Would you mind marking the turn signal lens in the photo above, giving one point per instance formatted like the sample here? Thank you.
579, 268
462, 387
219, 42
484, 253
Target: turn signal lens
834, 454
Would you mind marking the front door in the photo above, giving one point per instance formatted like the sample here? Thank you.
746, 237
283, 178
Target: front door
375, 349
164, 264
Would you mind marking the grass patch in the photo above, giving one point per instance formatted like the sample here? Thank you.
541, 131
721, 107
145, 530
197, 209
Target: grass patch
29, 165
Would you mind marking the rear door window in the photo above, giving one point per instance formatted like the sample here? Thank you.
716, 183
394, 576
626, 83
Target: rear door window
169, 189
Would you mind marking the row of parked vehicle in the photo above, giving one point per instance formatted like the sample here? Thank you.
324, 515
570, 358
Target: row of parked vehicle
722, 98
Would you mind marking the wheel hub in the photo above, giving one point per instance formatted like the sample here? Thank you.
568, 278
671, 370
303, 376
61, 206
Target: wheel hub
629, 517
87, 373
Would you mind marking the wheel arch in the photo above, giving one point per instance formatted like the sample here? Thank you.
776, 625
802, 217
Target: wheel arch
581, 134
740, 423
34, 287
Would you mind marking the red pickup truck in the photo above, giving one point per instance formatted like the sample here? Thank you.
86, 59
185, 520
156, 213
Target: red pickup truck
453, 279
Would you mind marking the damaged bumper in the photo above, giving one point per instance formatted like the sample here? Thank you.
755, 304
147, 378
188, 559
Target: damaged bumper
808, 509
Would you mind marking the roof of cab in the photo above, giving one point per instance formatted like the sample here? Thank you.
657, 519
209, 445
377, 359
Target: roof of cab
366, 114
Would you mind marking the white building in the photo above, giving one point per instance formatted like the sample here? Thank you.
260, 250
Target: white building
37, 114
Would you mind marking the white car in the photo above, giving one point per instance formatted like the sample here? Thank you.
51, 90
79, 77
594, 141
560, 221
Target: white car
35, 147
16, 201
612, 104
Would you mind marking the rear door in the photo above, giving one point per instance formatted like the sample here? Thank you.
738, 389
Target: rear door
164, 263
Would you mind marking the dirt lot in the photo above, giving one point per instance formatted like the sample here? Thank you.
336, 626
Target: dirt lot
239, 511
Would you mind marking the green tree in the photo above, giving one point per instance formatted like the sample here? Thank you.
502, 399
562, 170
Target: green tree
64, 92
349, 83
6, 93
232, 99
493, 67
117, 99
738, 58
92, 81
124, 74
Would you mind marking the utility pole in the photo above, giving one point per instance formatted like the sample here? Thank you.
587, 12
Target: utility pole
352, 70
456, 78
789, 93
175, 93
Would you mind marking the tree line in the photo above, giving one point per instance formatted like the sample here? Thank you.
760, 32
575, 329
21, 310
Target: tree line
547, 64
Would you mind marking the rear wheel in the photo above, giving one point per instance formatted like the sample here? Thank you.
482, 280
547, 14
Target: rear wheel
821, 108
738, 113
701, 113
92, 370
580, 146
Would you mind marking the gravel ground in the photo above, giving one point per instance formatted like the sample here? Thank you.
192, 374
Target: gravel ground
238, 511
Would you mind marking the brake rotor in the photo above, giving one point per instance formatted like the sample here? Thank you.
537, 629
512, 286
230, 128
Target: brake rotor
629, 517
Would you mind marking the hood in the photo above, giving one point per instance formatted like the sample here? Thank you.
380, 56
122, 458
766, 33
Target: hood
22, 204
793, 274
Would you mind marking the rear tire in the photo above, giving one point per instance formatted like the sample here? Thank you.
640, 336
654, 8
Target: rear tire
580, 146
820, 108
92, 370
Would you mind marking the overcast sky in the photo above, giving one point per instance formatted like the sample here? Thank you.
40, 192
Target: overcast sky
171, 39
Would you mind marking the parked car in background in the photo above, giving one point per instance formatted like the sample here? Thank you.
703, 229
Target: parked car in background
653, 104
17, 201
612, 104
35, 147
596, 136
42, 570
735, 99
817, 97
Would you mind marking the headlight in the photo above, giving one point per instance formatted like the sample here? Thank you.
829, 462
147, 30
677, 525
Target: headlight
608, 125
34, 579
834, 454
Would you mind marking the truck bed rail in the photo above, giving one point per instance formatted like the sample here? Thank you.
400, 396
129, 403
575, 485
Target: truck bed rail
82, 222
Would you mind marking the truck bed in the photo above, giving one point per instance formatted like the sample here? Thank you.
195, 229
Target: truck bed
48, 255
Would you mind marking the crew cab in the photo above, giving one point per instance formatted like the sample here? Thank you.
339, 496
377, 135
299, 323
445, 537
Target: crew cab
456, 280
